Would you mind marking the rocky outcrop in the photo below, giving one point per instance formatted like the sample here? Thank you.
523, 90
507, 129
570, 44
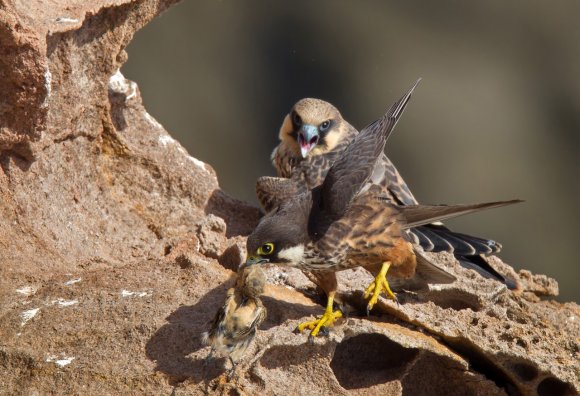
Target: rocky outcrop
117, 247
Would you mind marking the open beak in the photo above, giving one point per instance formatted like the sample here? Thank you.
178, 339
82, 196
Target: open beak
255, 260
307, 138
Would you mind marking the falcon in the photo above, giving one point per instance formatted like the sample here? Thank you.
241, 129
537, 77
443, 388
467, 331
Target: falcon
312, 136
347, 222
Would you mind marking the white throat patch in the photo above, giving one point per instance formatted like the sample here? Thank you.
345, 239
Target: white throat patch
295, 254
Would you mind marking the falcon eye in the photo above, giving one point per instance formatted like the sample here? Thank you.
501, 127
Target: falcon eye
266, 249
296, 119
324, 126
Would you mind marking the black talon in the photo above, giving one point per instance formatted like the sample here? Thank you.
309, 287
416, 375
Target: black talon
311, 340
324, 331
297, 330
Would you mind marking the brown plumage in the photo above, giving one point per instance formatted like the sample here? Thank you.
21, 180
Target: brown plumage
236, 322
302, 166
345, 223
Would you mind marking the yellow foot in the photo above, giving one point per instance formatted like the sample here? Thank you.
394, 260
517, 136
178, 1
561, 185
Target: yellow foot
324, 321
377, 286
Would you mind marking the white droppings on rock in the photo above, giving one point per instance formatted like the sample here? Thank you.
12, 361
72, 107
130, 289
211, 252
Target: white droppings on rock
439, 287
164, 140
66, 20
133, 91
26, 290
64, 303
27, 315
65, 361
47, 86
119, 84
72, 281
127, 293
197, 163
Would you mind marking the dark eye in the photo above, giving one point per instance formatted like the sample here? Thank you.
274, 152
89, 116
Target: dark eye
266, 249
324, 126
296, 119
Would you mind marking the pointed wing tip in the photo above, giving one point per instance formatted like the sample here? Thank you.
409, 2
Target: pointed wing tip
399, 106
513, 201
416, 83
410, 92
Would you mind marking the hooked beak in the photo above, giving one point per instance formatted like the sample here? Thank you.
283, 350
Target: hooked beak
255, 260
307, 138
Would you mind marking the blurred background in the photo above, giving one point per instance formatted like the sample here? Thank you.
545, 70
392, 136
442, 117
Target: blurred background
497, 115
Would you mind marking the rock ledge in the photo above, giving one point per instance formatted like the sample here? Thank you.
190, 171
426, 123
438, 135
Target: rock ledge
117, 248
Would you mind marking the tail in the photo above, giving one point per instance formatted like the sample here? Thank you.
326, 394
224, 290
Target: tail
418, 215
466, 248
438, 238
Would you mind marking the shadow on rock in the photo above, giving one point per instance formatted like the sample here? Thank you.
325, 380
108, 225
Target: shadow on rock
279, 311
240, 217
173, 342
171, 346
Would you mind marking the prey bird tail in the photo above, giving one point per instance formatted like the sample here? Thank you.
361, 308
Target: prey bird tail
418, 215
355, 166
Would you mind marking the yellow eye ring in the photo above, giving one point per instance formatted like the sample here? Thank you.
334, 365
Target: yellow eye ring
266, 249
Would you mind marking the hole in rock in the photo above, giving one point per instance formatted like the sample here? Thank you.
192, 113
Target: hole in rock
292, 355
434, 375
370, 359
183, 261
525, 371
553, 386
521, 342
457, 300
480, 362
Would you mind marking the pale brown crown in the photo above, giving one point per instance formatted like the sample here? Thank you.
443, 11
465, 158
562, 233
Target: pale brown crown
314, 112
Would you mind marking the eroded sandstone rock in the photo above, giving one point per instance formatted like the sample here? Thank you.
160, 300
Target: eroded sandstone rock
117, 248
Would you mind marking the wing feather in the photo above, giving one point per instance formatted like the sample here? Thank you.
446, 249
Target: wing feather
355, 166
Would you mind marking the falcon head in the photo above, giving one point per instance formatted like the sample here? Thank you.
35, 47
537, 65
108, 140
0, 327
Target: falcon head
281, 235
312, 127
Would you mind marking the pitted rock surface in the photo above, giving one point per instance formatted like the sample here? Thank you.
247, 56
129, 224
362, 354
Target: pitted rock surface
117, 248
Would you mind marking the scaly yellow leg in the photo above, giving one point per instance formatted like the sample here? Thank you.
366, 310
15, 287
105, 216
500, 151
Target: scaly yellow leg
379, 285
325, 320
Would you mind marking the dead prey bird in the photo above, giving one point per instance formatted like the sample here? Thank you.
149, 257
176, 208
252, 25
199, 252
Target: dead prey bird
344, 223
236, 322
